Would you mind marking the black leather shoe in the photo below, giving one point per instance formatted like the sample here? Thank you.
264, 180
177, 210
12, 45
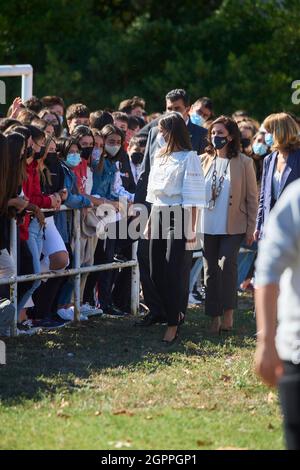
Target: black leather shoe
114, 312
149, 320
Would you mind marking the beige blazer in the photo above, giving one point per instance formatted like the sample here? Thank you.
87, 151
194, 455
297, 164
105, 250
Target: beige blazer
243, 202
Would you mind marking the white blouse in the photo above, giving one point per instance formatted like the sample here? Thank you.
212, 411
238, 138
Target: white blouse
176, 179
214, 221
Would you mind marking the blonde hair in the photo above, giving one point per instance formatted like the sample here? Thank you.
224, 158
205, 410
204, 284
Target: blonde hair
285, 131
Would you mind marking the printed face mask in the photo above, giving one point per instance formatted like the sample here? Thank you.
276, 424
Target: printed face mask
219, 142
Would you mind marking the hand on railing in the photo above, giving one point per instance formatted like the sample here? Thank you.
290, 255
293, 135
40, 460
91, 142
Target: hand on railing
55, 201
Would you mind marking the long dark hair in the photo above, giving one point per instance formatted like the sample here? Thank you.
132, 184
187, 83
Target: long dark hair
63, 145
179, 137
108, 130
17, 162
234, 145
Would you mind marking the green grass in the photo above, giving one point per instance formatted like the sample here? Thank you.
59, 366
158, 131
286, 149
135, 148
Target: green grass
107, 384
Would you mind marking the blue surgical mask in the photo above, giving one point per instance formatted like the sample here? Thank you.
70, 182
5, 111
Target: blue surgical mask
197, 119
61, 119
73, 159
269, 139
160, 140
260, 149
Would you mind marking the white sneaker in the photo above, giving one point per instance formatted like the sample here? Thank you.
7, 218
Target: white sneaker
68, 314
88, 310
193, 300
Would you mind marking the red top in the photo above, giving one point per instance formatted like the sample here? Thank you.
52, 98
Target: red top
32, 190
80, 172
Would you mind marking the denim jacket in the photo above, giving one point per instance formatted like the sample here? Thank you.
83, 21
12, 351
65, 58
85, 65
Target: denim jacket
103, 181
64, 219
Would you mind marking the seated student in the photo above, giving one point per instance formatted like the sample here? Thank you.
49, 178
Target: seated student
69, 155
103, 185
86, 142
77, 114
32, 230
54, 250
7, 202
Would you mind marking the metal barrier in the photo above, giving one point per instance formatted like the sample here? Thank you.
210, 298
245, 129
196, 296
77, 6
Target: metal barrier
76, 271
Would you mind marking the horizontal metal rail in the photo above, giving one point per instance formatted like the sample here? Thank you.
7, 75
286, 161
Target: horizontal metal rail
14, 280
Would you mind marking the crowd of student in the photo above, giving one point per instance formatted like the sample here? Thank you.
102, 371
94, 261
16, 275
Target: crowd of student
51, 155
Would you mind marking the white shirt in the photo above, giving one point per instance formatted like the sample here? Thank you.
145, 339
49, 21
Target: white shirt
214, 222
176, 179
118, 188
89, 181
276, 183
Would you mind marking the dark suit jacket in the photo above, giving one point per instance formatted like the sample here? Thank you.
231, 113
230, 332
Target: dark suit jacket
198, 138
290, 173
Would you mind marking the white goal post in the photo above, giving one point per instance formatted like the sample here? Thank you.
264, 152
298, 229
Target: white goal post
25, 71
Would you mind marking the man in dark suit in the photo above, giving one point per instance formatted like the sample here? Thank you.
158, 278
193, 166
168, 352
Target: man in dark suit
176, 100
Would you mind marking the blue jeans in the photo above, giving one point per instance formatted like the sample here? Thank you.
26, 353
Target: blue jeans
35, 244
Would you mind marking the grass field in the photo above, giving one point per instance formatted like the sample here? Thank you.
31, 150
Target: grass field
110, 385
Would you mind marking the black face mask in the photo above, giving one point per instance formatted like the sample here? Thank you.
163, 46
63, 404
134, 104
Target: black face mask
40, 154
57, 130
51, 158
29, 152
137, 158
219, 142
86, 153
245, 143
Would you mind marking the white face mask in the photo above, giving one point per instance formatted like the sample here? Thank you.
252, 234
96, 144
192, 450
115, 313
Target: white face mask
112, 149
160, 140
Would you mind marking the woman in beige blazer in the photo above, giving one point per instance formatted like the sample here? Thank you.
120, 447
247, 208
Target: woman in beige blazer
228, 219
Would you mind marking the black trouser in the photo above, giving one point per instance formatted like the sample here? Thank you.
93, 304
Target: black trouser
151, 295
170, 265
104, 254
121, 294
45, 298
220, 272
289, 393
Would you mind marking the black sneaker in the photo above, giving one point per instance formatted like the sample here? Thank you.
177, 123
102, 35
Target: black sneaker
114, 312
49, 324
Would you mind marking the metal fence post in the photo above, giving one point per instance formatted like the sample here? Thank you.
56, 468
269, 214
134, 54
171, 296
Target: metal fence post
77, 262
14, 285
135, 282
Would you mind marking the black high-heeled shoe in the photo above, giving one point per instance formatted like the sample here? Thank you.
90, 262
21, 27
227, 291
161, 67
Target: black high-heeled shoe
168, 343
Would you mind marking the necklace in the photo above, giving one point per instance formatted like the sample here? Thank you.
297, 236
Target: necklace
216, 189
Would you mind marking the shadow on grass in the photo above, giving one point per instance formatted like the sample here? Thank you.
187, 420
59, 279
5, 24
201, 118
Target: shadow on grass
43, 364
